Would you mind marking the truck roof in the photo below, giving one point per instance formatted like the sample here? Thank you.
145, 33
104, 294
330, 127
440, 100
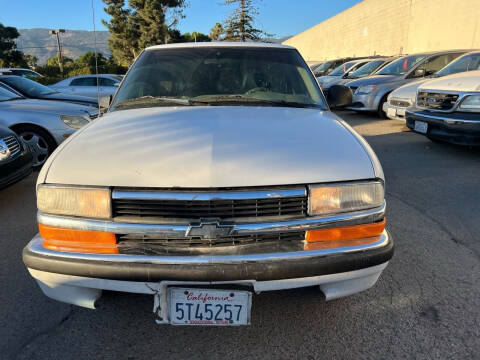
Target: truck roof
220, 44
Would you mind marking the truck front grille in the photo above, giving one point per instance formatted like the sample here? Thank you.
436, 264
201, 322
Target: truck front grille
135, 243
436, 101
211, 209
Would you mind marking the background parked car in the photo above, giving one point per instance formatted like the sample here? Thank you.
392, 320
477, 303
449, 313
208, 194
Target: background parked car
20, 72
34, 90
403, 97
367, 69
336, 76
448, 109
370, 93
15, 158
328, 66
42, 124
86, 85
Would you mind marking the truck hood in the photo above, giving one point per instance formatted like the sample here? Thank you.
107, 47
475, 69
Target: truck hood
45, 106
211, 147
465, 81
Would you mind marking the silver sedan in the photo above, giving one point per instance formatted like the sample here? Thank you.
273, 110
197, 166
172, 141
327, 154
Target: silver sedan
42, 124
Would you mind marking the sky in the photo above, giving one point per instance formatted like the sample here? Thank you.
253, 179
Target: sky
278, 17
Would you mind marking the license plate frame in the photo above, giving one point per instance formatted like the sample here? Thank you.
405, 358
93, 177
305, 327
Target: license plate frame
421, 127
207, 307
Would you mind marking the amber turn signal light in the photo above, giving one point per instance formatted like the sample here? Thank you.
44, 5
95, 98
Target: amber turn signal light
346, 232
78, 241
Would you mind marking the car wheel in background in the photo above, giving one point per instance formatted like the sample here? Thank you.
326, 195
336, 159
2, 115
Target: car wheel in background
40, 143
382, 114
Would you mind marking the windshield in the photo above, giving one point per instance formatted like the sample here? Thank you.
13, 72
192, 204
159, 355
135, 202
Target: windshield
323, 67
219, 75
366, 69
341, 69
402, 65
465, 63
7, 95
26, 86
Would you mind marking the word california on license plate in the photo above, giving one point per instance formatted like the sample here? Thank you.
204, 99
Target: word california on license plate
209, 307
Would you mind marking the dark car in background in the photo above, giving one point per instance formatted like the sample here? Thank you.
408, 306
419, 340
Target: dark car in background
15, 158
33, 90
328, 66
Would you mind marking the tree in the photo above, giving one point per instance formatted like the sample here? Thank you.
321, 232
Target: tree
53, 61
123, 33
140, 24
240, 25
9, 55
217, 32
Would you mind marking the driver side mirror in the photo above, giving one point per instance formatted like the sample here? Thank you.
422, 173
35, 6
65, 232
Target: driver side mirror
420, 73
339, 95
105, 101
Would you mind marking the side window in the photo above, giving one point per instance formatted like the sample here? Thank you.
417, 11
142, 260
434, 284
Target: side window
105, 81
85, 81
438, 62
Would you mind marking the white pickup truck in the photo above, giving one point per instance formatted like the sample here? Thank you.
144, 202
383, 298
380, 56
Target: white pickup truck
218, 169
448, 109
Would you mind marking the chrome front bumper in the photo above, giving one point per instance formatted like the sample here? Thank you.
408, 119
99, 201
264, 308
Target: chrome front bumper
78, 278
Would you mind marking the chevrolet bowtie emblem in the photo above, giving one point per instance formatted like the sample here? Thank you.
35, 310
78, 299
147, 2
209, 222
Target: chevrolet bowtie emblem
209, 230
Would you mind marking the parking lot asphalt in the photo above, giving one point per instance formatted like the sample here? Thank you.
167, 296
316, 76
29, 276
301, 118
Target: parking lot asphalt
426, 304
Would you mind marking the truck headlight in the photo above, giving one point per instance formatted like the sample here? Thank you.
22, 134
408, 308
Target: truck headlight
74, 201
366, 89
339, 198
75, 121
471, 103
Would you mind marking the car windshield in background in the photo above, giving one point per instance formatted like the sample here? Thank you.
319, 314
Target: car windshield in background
366, 69
402, 65
341, 69
26, 86
218, 76
323, 67
464, 63
6, 95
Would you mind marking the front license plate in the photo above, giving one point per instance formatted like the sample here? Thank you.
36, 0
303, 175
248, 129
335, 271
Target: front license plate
421, 127
391, 112
209, 307
401, 112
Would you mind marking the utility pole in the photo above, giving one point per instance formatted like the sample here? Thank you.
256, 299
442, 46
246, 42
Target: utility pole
59, 53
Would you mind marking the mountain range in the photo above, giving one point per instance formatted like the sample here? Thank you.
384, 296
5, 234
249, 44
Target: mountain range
42, 45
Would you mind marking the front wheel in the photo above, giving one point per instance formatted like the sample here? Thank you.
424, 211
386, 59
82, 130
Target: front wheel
40, 143
382, 114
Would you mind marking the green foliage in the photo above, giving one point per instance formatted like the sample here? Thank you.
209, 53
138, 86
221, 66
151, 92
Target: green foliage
240, 25
140, 24
9, 55
217, 33
53, 61
176, 37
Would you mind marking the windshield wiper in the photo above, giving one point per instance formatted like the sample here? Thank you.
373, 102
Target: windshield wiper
222, 99
152, 101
